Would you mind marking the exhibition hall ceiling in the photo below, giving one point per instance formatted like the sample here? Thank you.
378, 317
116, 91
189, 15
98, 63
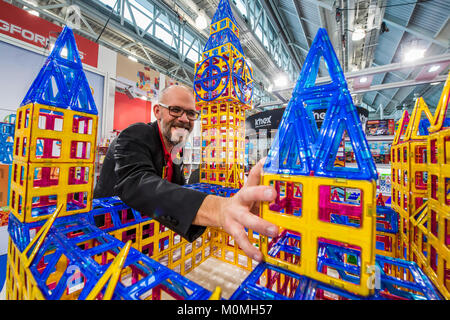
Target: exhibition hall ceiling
373, 39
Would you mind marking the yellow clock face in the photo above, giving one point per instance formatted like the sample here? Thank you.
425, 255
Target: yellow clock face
243, 80
211, 78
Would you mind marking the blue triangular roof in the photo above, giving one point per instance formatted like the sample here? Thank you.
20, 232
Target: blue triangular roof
316, 149
223, 11
226, 35
61, 82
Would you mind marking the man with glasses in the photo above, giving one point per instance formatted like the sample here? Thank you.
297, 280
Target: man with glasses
139, 167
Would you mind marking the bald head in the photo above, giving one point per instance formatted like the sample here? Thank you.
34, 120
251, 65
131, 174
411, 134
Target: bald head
178, 91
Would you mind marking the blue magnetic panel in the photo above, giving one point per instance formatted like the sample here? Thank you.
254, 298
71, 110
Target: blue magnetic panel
61, 81
223, 11
6, 142
299, 147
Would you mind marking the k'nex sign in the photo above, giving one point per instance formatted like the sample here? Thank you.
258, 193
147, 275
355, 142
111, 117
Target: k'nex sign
265, 120
21, 25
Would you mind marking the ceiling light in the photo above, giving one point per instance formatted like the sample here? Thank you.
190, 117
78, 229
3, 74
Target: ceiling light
358, 34
434, 68
132, 58
413, 54
281, 81
363, 79
201, 22
270, 88
434, 83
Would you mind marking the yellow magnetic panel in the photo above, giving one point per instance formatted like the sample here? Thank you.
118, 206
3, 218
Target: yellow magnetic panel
438, 259
228, 251
392, 239
419, 248
416, 116
311, 229
25, 189
20, 282
200, 251
227, 50
126, 234
444, 136
223, 24
65, 138
441, 109
401, 128
147, 237
418, 167
223, 66
22, 130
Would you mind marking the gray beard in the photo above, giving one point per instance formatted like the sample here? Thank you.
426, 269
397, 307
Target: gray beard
167, 133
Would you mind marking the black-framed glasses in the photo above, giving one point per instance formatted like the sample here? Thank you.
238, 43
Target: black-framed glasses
177, 112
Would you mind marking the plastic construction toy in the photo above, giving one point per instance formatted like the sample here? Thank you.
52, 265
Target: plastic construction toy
223, 85
420, 192
88, 260
65, 246
6, 142
271, 282
409, 162
339, 215
149, 236
393, 278
112, 219
213, 189
387, 231
299, 147
55, 138
432, 250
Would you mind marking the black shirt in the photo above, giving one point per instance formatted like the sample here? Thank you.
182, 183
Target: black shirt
132, 170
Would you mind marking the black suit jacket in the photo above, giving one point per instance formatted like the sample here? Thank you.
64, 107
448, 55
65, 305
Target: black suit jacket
132, 170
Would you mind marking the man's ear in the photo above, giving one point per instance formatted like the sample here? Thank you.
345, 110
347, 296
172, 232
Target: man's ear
157, 111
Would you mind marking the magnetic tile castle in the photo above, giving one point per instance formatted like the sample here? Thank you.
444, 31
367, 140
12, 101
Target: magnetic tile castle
64, 245
420, 185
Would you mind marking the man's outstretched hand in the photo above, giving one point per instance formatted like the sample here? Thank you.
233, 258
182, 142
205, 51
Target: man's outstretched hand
235, 214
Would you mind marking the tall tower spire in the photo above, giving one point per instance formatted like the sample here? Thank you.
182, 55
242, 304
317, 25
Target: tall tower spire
223, 84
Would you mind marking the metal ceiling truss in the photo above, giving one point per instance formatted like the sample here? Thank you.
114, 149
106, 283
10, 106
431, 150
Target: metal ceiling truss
159, 35
136, 38
390, 68
261, 26
368, 14
402, 92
